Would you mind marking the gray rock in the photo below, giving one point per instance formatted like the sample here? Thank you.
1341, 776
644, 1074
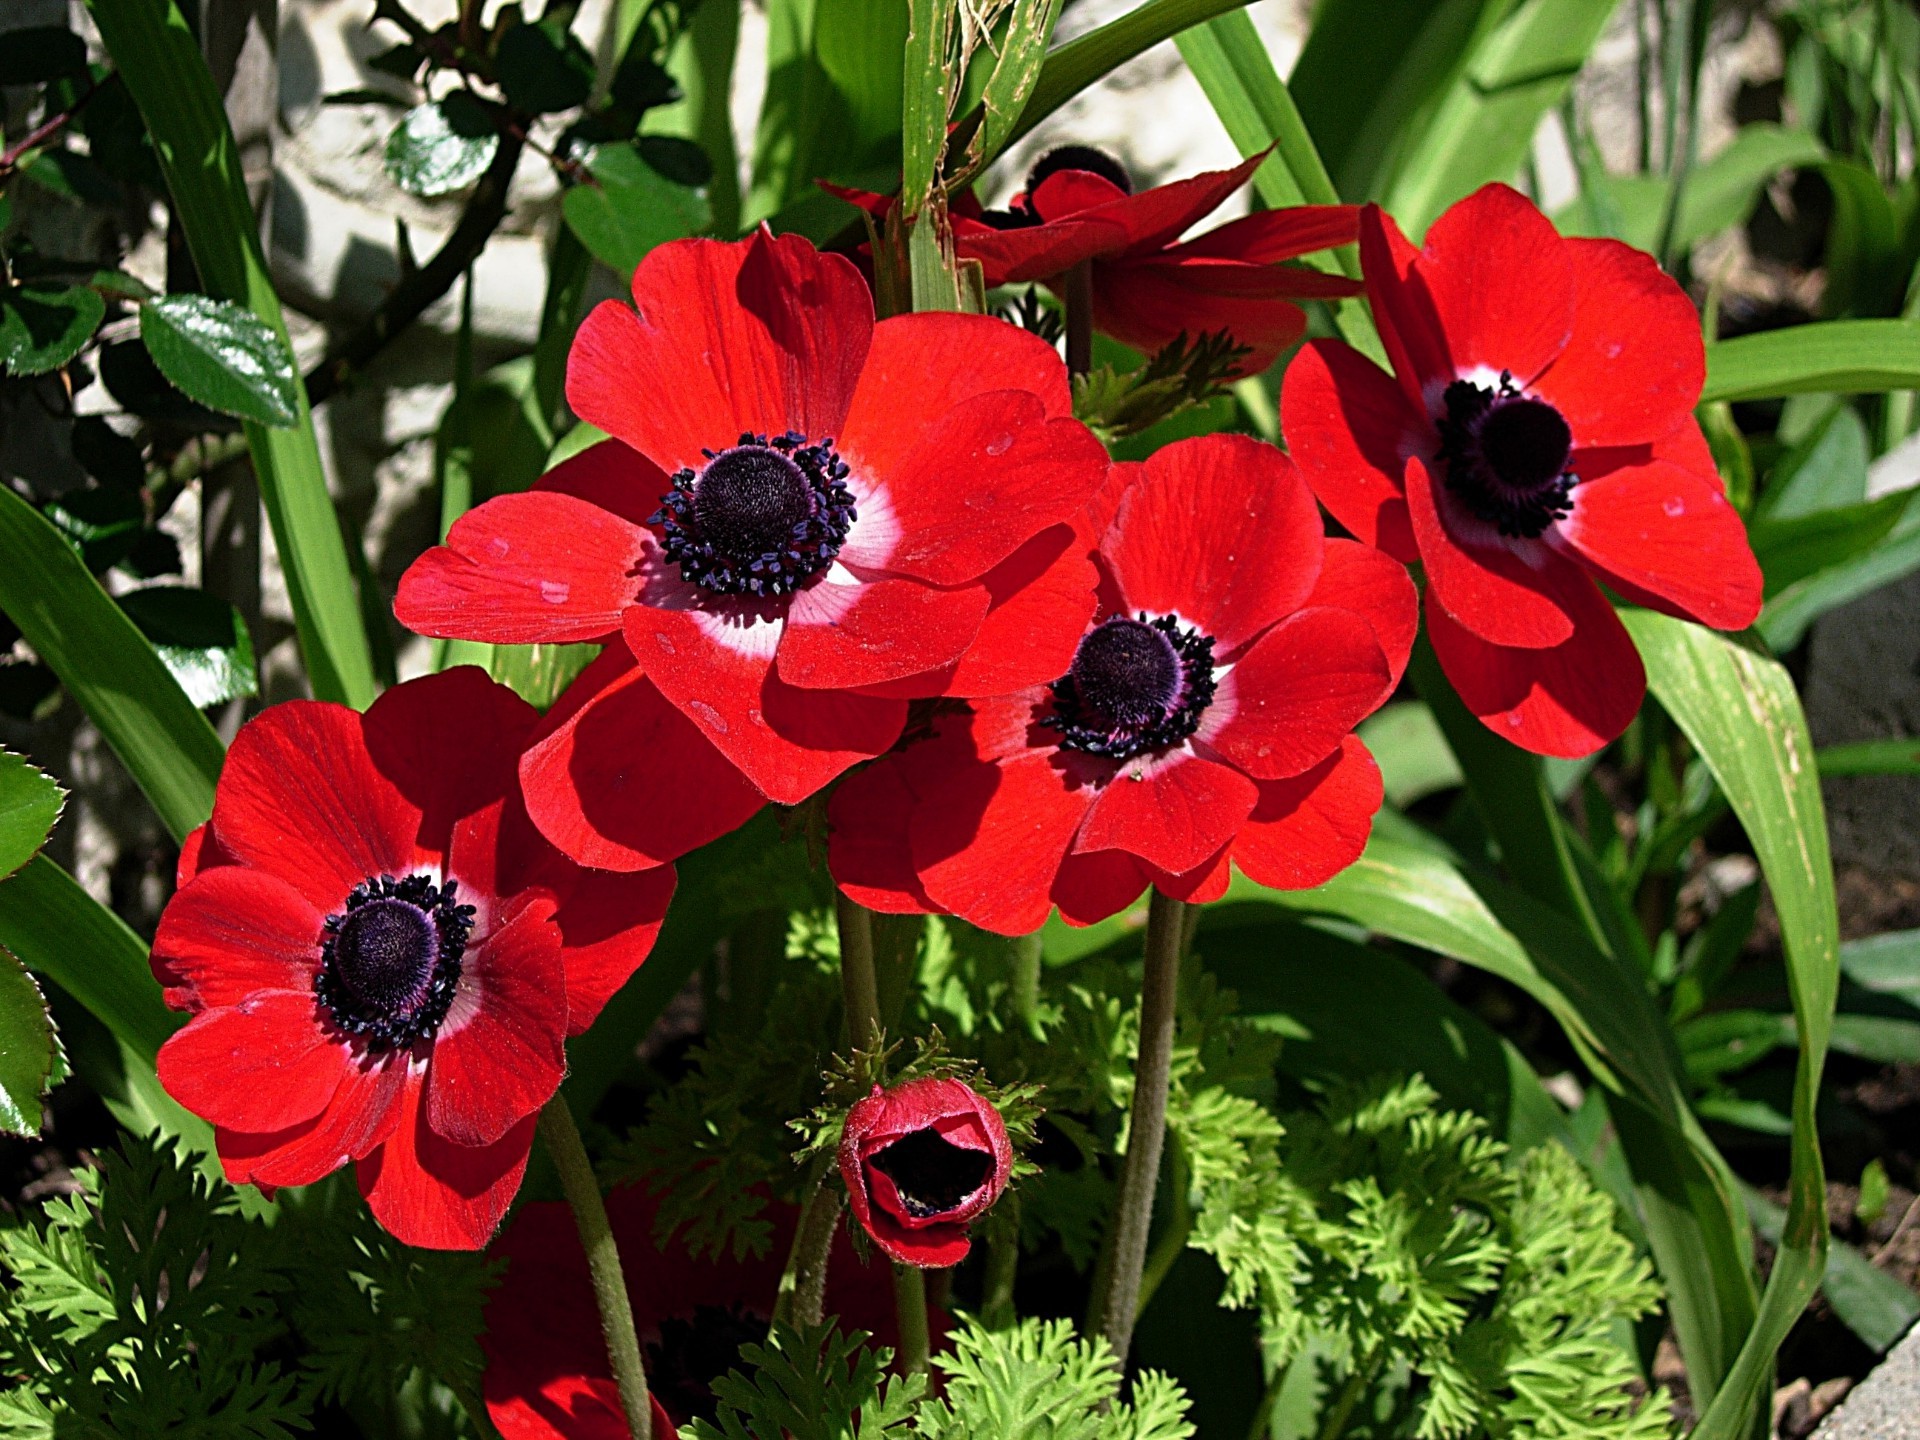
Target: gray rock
1884, 1406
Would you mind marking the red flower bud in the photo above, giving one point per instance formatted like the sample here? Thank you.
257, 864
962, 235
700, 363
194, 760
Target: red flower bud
921, 1162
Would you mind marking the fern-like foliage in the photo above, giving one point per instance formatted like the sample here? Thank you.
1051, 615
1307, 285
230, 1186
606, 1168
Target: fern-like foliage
1456, 1291
813, 1383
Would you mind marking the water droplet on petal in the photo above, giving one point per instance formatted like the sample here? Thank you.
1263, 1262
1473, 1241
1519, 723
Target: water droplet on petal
660, 639
499, 546
1000, 444
1674, 506
711, 717
555, 592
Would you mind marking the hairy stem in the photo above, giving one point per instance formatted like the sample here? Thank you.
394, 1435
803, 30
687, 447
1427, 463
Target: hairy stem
802, 1298
562, 1139
1003, 1266
910, 1301
1178, 1231
1146, 1126
1079, 304
858, 983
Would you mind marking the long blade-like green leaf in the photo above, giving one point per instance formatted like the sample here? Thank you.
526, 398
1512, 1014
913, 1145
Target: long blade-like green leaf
58, 929
1481, 126
156, 53
108, 666
1737, 706
1851, 356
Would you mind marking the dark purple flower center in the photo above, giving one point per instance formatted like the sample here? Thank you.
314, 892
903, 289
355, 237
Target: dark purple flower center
761, 518
931, 1173
1135, 685
1506, 456
1063, 157
694, 1351
389, 962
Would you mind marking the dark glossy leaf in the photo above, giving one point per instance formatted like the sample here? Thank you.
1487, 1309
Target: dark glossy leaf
543, 68
366, 95
39, 53
202, 639
27, 1048
678, 159
73, 176
131, 377
403, 60
640, 84
117, 137
104, 525
629, 208
223, 356
442, 146
29, 805
42, 328
107, 455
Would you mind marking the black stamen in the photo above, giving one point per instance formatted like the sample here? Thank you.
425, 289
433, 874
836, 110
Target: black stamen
1506, 456
932, 1174
760, 518
1134, 686
390, 962
1079, 157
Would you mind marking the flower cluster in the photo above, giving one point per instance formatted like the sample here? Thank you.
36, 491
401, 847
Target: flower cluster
818, 543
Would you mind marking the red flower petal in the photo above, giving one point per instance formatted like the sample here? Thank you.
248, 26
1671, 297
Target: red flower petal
983, 479
942, 1107
438, 1195
300, 799
988, 840
1371, 584
527, 569
621, 780
921, 366
608, 923
1036, 252
1203, 884
1349, 428
450, 742
868, 851
1505, 591
1091, 888
1150, 303
841, 637
263, 1064
1269, 236
1636, 361
1310, 827
232, 933
1292, 697
616, 477
787, 741
1152, 218
1501, 282
363, 1113
1659, 532
762, 335
500, 1053
1220, 530
1182, 810
1568, 700
1403, 309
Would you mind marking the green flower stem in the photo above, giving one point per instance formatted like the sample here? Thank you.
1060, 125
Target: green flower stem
469, 1400
802, 1297
858, 983
1146, 1126
1178, 1231
1003, 1265
1079, 303
562, 1139
1027, 959
910, 1300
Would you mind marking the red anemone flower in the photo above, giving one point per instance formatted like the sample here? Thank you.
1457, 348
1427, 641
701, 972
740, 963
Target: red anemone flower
548, 1377
921, 1163
1537, 435
1205, 718
382, 956
1149, 287
804, 519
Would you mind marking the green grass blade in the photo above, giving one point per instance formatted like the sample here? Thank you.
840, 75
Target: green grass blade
1849, 356
1737, 706
108, 667
159, 58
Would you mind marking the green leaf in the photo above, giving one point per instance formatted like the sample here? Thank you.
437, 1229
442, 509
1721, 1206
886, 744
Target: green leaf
1414, 757
538, 673
30, 803
202, 639
27, 1048
38, 53
441, 146
1023, 51
542, 68
1737, 707
63, 933
1842, 356
1790, 613
630, 207
158, 55
1482, 125
1874, 1305
1886, 964
1794, 548
42, 329
108, 667
222, 355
